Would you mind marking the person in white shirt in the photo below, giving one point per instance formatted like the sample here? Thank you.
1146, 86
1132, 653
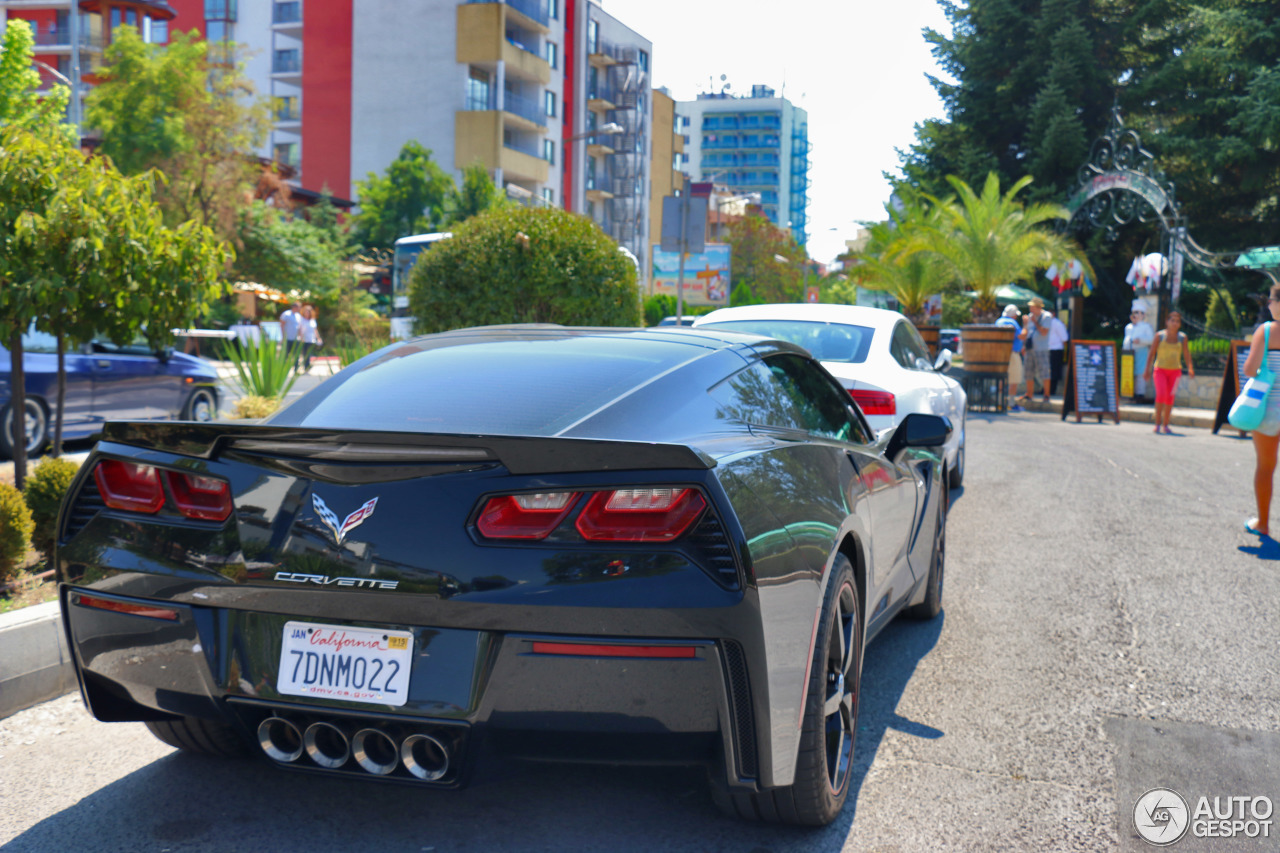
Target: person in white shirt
309, 335
290, 322
1138, 336
1058, 337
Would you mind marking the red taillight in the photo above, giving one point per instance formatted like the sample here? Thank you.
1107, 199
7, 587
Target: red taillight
639, 515
874, 402
148, 610
525, 516
205, 498
127, 486
137, 488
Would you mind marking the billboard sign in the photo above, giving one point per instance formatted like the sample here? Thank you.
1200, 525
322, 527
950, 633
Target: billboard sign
706, 274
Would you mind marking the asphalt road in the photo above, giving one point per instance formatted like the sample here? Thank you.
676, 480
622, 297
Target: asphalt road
1108, 628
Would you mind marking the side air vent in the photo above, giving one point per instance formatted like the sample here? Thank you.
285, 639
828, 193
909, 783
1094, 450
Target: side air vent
710, 540
744, 727
88, 504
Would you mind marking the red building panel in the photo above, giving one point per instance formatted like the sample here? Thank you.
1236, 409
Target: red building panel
326, 97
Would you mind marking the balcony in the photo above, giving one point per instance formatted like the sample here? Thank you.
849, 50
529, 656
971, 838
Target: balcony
482, 136
527, 13
286, 16
528, 112
597, 189
601, 99
287, 63
483, 39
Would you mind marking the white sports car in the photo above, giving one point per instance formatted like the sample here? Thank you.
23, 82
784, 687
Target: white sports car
876, 354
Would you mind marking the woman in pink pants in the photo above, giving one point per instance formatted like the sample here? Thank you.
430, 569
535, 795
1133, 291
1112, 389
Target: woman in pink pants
1167, 356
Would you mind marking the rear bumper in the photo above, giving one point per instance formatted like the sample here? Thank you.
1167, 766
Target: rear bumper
557, 696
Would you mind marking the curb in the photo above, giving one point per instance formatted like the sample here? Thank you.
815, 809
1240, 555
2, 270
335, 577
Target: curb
36, 664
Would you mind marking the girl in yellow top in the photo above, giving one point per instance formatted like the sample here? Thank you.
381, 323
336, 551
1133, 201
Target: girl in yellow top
1168, 354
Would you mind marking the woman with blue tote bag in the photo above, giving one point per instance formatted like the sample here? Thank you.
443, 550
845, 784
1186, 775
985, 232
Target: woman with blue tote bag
1266, 436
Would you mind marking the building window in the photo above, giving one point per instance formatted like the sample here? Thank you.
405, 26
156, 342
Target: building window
553, 9
478, 90
287, 108
551, 54
593, 36
287, 153
644, 61
549, 151
286, 61
549, 195
549, 103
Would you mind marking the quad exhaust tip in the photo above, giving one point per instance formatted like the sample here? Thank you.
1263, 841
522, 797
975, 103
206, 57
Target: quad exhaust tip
327, 745
424, 757
280, 739
376, 751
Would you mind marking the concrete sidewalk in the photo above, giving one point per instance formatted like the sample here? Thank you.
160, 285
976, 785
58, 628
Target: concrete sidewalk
1181, 416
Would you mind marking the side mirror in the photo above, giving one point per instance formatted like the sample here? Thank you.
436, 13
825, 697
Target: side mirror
164, 354
943, 361
918, 430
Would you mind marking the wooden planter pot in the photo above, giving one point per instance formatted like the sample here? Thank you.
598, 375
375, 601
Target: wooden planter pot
930, 336
987, 347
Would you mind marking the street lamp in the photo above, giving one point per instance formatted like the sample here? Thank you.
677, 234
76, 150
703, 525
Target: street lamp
610, 128
74, 103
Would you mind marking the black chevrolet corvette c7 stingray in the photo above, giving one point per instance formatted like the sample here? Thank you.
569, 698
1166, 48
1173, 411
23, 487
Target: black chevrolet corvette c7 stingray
541, 541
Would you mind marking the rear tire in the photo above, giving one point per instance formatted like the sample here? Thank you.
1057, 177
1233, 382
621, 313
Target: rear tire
37, 428
203, 737
824, 764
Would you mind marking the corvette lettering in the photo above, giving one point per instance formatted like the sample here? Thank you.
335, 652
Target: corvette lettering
325, 580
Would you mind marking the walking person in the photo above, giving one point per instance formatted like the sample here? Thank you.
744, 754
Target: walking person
290, 324
1166, 357
1138, 336
1037, 325
309, 335
1058, 337
1266, 438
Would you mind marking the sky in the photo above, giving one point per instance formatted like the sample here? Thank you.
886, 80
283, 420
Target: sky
857, 66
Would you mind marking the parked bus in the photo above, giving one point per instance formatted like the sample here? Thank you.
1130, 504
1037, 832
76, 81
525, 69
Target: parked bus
402, 260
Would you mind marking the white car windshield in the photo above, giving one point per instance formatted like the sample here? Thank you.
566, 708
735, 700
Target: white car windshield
824, 341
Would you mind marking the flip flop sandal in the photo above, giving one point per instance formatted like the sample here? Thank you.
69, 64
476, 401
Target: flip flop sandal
1250, 526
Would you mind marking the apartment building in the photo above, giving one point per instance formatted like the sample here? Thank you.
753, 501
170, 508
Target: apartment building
668, 158
552, 97
756, 144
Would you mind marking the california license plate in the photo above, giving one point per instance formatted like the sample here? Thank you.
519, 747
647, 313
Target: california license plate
355, 664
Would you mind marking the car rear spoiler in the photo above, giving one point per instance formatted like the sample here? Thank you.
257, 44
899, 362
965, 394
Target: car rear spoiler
519, 454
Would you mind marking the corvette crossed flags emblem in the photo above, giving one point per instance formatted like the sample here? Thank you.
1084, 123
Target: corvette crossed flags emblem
351, 522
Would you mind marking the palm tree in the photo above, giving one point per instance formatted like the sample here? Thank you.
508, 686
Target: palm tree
887, 263
988, 240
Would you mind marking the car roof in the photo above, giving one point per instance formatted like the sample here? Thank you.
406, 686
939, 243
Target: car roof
854, 315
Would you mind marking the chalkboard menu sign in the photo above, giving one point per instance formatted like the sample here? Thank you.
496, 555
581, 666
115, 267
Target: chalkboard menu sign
1233, 380
1093, 380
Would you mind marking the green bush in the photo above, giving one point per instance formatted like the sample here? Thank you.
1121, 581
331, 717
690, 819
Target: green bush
263, 369
44, 491
524, 265
15, 531
1221, 313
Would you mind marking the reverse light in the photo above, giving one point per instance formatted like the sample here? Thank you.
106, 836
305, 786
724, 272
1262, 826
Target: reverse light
124, 485
204, 498
531, 516
640, 515
874, 402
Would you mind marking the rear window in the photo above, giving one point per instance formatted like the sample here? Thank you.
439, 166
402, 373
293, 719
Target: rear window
824, 341
528, 387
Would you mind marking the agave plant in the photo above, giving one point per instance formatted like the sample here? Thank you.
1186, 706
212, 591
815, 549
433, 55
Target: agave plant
263, 369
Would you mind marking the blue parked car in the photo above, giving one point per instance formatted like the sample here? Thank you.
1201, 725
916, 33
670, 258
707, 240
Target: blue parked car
104, 382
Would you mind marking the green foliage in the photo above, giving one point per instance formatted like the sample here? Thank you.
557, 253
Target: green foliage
524, 265
755, 244
188, 113
887, 262
288, 252
1209, 353
957, 310
410, 198
15, 531
43, 493
989, 239
1221, 313
20, 105
477, 194
662, 305
263, 369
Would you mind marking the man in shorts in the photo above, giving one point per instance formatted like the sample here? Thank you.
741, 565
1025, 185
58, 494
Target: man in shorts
1011, 318
1037, 325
